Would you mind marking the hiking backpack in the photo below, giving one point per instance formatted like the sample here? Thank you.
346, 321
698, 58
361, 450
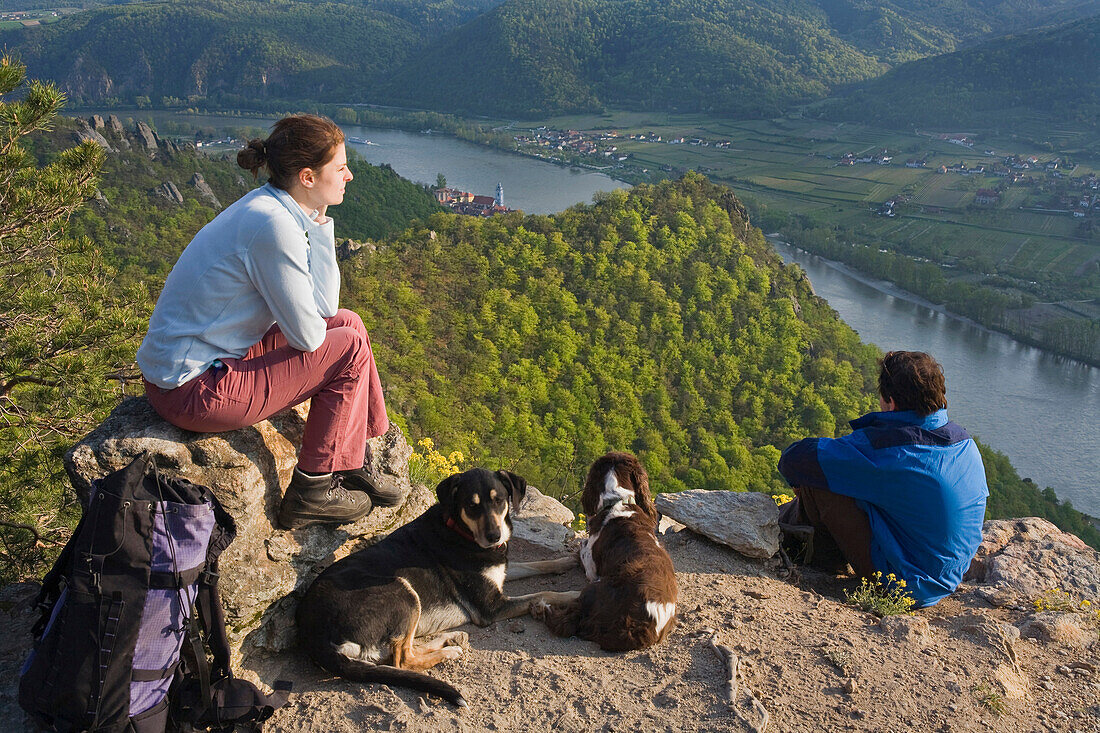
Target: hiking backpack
118, 629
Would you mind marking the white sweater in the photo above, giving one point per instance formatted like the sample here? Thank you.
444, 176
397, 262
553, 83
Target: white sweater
261, 261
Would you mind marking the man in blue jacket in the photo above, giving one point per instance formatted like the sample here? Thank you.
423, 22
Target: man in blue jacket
904, 493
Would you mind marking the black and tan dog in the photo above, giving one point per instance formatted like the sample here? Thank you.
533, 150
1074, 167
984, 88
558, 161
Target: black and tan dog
630, 600
361, 617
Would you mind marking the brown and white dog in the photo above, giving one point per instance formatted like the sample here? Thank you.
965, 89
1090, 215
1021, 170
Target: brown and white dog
630, 600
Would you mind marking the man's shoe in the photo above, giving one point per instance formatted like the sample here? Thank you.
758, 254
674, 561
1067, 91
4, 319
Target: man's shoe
320, 500
384, 490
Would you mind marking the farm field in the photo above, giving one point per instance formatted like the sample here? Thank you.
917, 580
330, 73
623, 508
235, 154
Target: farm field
796, 166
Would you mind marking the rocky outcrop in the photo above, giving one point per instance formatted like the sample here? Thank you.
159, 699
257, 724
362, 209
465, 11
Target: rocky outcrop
349, 247
1024, 558
85, 132
747, 522
168, 191
205, 192
114, 132
147, 138
96, 122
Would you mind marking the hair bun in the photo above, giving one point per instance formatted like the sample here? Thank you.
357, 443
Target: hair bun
253, 156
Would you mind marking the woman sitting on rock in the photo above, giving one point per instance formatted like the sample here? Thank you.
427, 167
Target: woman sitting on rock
248, 324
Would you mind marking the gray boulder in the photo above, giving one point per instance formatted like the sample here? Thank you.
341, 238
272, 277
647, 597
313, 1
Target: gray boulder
147, 137
248, 470
543, 520
85, 132
204, 190
96, 122
747, 522
116, 131
169, 191
1026, 557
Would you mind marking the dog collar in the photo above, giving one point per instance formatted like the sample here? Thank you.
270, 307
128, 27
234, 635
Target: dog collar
459, 530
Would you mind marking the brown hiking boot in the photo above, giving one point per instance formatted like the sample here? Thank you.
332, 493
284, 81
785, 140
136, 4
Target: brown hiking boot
320, 500
383, 489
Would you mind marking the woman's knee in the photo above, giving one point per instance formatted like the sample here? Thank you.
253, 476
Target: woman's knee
346, 318
349, 344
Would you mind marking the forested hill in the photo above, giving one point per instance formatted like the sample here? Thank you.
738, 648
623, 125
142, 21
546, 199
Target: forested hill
232, 50
1052, 72
519, 57
656, 320
752, 58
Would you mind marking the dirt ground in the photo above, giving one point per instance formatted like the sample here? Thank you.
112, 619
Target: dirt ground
813, 662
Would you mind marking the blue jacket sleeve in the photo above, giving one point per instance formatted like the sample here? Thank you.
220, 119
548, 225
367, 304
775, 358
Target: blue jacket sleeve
838, 465
800, 466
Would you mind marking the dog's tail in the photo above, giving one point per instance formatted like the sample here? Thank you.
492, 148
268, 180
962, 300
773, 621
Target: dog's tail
366, 672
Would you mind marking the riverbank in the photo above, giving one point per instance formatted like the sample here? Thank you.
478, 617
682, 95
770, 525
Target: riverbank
1015, 334
889, 288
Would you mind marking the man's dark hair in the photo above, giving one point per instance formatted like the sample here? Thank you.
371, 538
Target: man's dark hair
913, 380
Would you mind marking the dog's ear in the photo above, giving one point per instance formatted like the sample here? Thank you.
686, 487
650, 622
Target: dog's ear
446, 490
517, 486
593, 485
640, 478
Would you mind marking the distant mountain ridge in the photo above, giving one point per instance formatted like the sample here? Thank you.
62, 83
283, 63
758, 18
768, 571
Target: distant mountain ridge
518, 57
232, 49
1054, 71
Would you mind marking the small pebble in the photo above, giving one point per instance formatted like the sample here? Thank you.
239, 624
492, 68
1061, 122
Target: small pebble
1046, 685
1062, 669
850, 685
517, 627
953, 707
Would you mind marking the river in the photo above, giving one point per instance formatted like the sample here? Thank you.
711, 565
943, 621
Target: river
1042, 410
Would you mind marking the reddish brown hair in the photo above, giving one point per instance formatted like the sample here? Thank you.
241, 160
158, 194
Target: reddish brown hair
631, 474
913, 380
297, 142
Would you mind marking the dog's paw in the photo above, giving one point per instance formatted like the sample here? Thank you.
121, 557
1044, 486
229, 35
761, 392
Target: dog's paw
457, 638
538, 609
452, 652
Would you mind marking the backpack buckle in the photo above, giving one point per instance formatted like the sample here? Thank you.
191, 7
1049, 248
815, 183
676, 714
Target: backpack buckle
208, 577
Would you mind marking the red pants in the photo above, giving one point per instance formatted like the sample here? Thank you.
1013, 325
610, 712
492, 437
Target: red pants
340, 378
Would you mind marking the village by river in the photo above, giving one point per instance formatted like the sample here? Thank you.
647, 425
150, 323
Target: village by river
1042, 410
